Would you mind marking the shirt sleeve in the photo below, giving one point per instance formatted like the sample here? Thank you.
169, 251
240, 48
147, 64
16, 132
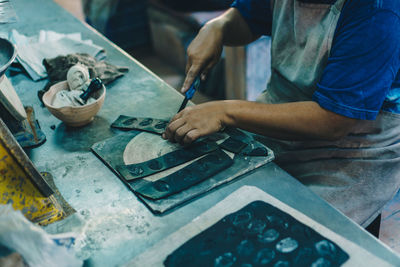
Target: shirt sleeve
363, 63
257, 14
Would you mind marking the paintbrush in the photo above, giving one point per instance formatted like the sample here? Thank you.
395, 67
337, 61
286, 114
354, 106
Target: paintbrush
94, 86
189, 93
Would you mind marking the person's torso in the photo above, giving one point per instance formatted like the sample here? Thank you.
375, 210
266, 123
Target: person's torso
302, 36
303, 32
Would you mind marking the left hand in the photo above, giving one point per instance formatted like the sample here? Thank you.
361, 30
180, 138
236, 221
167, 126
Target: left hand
194, 122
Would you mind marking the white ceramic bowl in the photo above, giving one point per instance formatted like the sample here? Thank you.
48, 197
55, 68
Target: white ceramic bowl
73, 116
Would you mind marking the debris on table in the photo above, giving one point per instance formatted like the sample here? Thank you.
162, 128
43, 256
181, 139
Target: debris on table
58, 67
33, 50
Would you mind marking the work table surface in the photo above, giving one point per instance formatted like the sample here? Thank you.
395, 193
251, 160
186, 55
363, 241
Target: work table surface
116, 224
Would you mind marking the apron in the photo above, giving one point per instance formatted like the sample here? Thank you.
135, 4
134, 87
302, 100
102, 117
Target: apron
358, 174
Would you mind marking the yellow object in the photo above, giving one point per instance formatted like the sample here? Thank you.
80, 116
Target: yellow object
18, 186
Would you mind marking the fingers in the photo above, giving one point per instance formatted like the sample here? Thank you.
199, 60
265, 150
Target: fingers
171, 129
191, 136
204, 74
190, 76
181, 132
186, 135
178, 131
188, 64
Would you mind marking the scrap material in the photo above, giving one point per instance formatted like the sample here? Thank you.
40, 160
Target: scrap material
188, 176
233, 145
156, 255
150, 125
135, 147
167, 161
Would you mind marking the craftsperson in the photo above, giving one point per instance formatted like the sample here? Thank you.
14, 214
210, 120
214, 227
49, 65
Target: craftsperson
334, 94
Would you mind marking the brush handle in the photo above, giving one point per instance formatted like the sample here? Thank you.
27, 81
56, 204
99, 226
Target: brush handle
95, 85
189, 93
195, 85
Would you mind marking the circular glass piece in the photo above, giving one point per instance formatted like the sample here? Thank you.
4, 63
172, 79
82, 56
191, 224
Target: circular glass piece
231, 234
241, 219
245, 248
161, 125
269, 236
225, 260
321, 262
287, 245
303, 257
326, 249
154, 164
170, 161
277, 221
161, 186
146, 122
282, 264
256, 227
264, 256
129, 121
136, 171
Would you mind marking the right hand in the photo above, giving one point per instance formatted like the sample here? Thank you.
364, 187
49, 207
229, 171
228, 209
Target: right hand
203, 53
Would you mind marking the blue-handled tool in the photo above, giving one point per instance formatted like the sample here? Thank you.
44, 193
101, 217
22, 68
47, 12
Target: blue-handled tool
189, 93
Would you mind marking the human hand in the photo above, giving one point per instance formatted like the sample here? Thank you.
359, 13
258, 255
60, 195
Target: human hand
195, 122
203, 53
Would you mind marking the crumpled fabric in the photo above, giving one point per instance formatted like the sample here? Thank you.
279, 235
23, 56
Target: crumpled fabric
48, 44
58, 67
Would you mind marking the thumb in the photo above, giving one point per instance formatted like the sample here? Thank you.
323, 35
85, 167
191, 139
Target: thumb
190, 77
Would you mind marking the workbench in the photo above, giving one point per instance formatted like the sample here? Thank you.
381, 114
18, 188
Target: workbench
117, 226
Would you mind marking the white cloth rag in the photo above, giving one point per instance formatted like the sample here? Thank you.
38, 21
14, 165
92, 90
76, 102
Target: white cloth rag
48, 44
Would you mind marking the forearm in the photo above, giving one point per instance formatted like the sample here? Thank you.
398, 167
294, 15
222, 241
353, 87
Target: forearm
290, 121
234, 29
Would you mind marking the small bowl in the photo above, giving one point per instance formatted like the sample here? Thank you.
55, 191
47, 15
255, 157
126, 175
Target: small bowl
73, 116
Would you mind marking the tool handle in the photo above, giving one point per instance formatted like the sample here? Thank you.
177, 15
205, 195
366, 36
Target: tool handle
94, 86
195, 85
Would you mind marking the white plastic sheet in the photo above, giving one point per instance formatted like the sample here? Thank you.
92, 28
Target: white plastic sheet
36, 246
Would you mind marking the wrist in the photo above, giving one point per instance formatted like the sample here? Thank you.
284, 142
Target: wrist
228, 118
216, 27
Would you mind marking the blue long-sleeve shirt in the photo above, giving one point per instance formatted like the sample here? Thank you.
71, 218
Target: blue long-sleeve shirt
362, 74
